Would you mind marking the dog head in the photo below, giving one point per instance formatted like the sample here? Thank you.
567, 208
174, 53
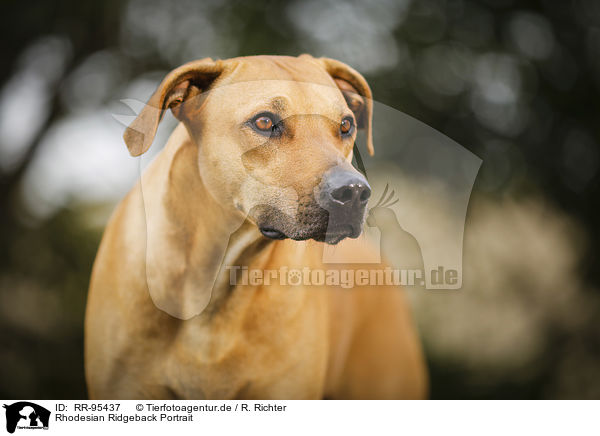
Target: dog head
275, 138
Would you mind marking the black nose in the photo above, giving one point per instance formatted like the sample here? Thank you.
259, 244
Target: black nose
345, 191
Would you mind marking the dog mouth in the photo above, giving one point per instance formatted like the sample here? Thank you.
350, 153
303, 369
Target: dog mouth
338, 234
329, 236
272, 233
310, 222
334, 238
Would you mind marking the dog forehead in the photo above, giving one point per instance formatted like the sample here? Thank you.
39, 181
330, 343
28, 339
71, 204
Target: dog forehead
298, 69
283, 97
297, 85
287, 92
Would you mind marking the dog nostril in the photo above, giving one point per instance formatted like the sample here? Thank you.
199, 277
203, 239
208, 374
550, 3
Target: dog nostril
364, 196
351, 193
343, 194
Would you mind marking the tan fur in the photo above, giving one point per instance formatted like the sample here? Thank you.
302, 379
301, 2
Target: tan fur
162, 320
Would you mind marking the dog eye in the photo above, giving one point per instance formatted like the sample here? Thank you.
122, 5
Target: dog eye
266, 124
263, 123
346, 126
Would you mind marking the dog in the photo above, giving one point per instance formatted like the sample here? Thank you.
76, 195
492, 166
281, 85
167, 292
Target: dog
256, 177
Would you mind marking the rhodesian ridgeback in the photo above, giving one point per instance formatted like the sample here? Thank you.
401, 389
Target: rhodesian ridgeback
256, 178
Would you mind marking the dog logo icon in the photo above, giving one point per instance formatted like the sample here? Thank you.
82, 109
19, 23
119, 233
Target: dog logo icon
26, 415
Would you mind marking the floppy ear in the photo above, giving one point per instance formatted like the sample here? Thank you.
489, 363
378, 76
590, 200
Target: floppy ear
357, 93
181, 84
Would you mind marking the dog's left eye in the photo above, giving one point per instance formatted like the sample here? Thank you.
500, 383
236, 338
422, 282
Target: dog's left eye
267, 124
263, 123
346, 126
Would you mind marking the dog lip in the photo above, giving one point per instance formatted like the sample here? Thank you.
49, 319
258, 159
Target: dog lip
301, 238
333, 240
272, 233
334, 236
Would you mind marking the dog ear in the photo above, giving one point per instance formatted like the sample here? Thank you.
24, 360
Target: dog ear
357, 93
181, 84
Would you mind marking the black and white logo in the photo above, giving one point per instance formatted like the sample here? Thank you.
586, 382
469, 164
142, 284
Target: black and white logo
26, 415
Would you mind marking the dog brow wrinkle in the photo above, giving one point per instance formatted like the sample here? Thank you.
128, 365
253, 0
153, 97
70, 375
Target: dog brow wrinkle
278, 104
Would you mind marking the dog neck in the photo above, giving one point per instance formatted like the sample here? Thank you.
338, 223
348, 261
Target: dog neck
187, 265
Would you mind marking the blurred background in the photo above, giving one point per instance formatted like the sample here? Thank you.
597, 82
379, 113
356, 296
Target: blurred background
515, 82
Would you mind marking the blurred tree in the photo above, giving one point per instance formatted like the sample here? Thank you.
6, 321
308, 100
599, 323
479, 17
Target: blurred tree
56, 255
